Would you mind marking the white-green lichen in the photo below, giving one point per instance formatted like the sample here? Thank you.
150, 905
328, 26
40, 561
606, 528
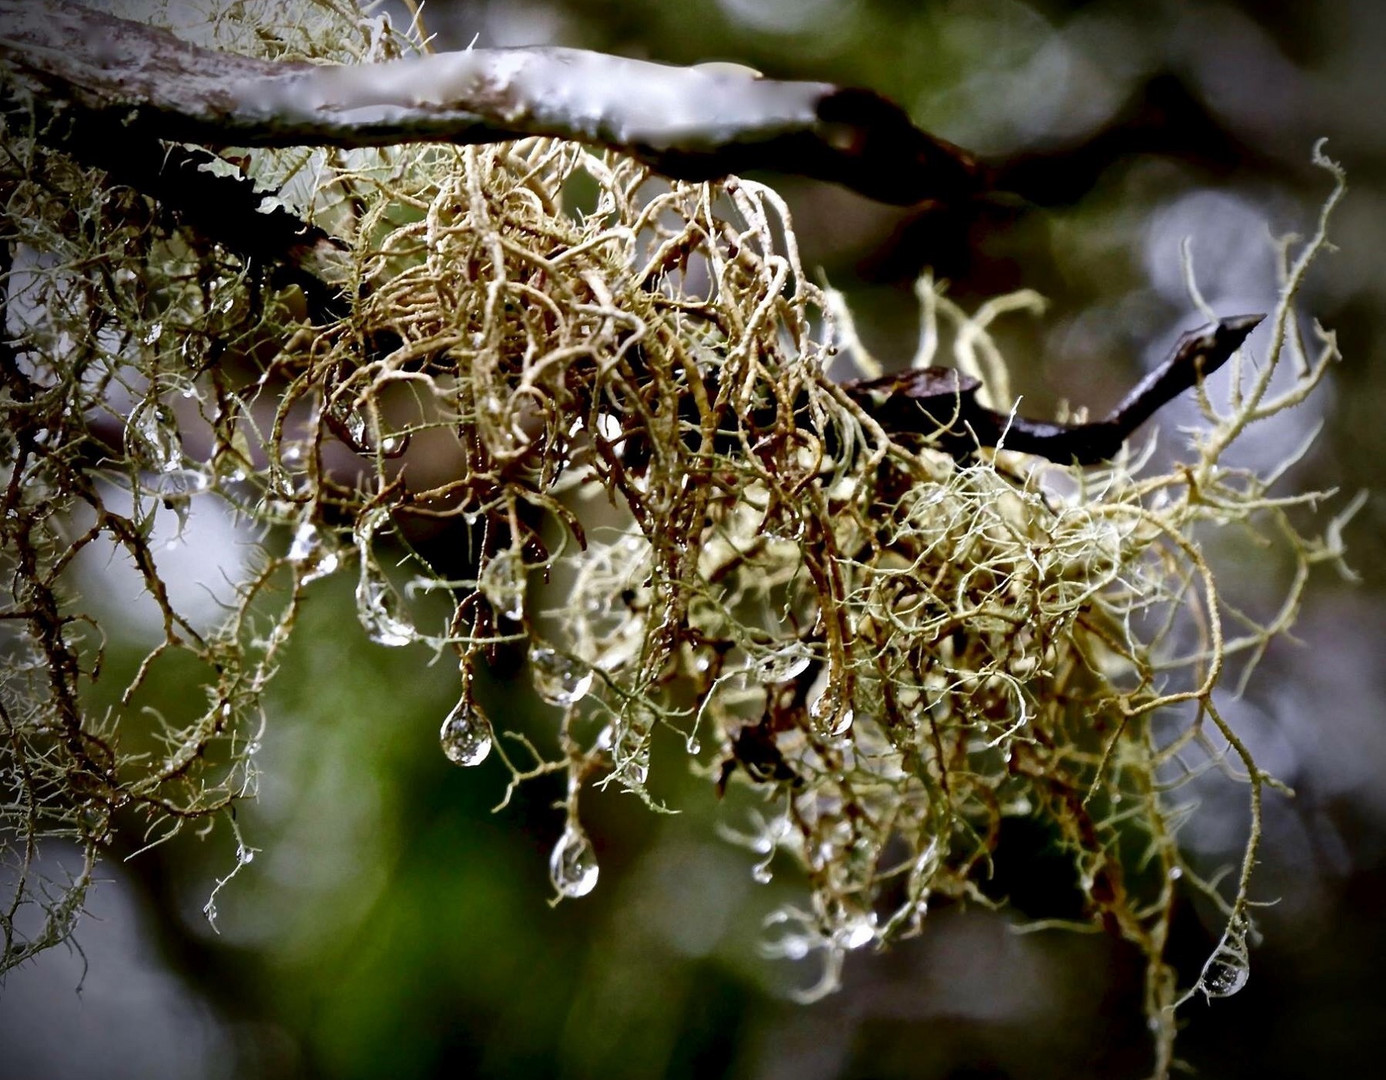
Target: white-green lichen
623, 416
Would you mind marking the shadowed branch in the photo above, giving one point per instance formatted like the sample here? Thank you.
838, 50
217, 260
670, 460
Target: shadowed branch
941, 404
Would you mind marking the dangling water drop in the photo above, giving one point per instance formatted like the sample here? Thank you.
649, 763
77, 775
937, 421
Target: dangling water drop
783, 664
466, 735
558, 679
631, 758
856, 931
377, 606
635, 770
194, 350
573, 865
830, 713
355, 425
311, 555
1228, 969
177, 486
1223, 977
154, 431
503, 583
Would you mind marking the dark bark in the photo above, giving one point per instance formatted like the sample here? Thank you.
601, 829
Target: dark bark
941, 405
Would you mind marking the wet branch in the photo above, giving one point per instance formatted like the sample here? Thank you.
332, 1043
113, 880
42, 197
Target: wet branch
940, 404
690, 123
124, 97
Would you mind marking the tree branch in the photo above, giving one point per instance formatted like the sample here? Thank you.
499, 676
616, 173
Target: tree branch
690, 123
117, 90
940, 404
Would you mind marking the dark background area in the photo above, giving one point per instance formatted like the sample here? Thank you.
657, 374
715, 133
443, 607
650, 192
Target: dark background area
391, 925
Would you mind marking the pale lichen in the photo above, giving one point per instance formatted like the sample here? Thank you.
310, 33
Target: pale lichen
620, 416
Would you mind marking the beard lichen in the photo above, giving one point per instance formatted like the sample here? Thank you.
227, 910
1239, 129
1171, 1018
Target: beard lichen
606, 436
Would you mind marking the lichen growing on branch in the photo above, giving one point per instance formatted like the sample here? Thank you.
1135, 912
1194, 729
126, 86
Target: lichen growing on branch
611, 395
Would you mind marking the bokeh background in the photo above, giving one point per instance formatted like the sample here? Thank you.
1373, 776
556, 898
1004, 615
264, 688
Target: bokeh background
392, 925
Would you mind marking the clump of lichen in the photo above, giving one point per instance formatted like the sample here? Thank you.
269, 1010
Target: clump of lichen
608, 395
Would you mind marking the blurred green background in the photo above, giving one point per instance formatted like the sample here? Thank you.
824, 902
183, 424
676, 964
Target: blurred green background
391, 925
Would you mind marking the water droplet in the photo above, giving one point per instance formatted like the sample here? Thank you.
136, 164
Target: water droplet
558, 679
1223, 977
194, 350
1228, 969
830, 713
503, 583
608, 427
377, 606
783, 664
355, 424
792, 947
466, 733
153, 333
573, 866
314, 558
856, 931
789, 531
630, 757
153, 431
176, 486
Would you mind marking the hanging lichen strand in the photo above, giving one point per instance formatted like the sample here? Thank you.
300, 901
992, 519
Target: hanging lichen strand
619, 417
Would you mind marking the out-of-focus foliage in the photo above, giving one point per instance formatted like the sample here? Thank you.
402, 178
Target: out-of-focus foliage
904, 652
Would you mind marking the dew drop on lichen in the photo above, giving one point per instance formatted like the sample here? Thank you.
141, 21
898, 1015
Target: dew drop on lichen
831, 714
1228, 969
856, 931
573, 865
313, 558
354, 423
1223, 977
630, 757
377, 606
466, 733
153, 431
558, 679
503, 583
783, 664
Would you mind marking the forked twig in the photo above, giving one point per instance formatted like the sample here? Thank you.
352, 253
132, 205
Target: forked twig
941, 403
